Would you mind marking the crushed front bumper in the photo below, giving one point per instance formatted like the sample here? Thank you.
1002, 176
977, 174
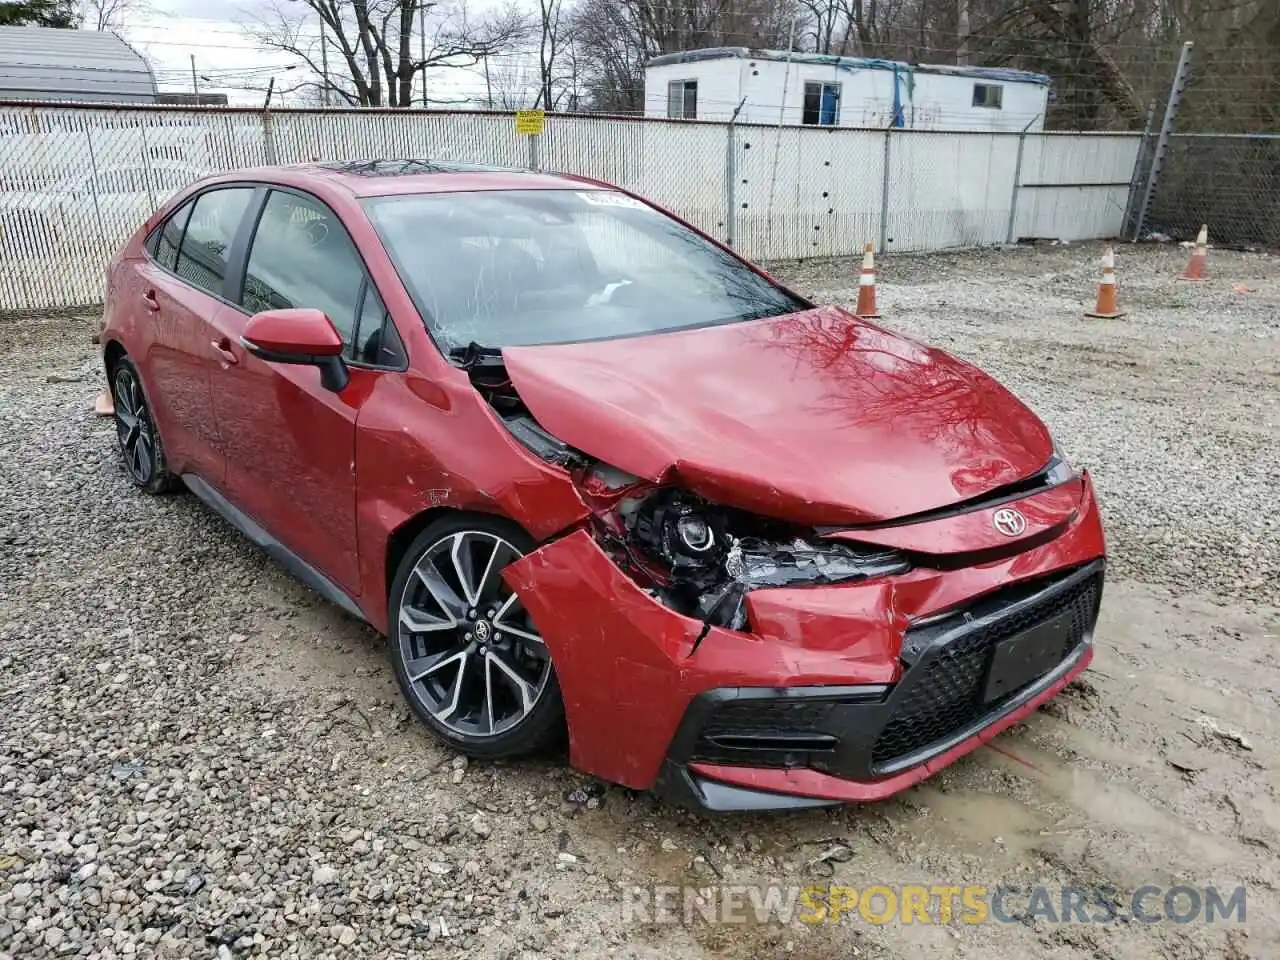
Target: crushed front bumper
841, 693
744, 748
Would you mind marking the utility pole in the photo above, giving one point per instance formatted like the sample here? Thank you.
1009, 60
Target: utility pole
422, 47
324, 63
268, 131
195, 83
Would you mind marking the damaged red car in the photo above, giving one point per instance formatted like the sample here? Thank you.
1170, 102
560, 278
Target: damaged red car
595, 476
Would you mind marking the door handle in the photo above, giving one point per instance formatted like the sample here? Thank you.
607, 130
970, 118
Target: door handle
223, 349
150, 301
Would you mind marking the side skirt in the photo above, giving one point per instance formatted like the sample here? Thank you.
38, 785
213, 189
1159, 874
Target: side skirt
276, 550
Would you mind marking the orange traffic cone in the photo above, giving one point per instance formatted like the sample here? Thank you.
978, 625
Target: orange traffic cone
1107, 308
1199, 258
867, 286
103, 405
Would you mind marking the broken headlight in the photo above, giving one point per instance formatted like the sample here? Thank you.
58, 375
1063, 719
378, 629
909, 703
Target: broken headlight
801, 561
702, 559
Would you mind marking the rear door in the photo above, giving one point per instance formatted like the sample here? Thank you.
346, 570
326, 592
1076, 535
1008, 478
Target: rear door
290, 443
180, 288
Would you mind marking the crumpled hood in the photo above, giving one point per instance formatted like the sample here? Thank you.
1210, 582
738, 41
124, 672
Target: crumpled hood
815, 417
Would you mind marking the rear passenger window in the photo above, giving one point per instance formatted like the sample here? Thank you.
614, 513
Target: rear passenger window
207, 244
302, 257
170, 235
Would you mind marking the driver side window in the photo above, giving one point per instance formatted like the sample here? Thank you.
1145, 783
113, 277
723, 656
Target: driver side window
302, 256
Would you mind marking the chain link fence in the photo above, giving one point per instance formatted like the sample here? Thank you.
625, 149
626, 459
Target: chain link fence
1229, 182
804, 192
76, 181
1210, 154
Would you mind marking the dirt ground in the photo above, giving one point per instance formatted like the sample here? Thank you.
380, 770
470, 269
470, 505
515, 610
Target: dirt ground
139, 630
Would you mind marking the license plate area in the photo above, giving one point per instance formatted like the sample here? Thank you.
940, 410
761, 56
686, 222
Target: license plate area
1027, 656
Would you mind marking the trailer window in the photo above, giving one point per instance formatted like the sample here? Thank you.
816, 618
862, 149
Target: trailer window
821, 104
990, 95
682, 99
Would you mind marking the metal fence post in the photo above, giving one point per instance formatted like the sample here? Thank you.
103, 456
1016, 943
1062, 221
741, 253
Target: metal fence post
533, 151
146, 166
731, 179
1017, 181
268, 137
884, 190
1180, 77
730, 192
93, 177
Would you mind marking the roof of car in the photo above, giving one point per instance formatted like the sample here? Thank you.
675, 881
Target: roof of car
386, 177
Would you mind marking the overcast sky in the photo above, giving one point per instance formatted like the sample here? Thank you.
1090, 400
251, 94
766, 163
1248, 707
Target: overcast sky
218, 33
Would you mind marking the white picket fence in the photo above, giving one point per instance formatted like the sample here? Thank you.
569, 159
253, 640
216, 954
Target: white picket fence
74, 181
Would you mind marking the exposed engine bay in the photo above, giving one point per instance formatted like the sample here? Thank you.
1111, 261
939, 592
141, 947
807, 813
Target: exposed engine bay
708, 556
489, 376
696, 557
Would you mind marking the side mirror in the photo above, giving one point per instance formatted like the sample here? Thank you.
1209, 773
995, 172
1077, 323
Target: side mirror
302, 336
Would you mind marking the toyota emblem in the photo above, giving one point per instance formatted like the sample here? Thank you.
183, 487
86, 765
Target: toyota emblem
1009, 522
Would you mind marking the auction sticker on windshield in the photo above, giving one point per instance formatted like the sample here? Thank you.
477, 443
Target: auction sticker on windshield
607, 198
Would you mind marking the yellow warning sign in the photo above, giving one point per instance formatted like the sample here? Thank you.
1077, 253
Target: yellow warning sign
529, 123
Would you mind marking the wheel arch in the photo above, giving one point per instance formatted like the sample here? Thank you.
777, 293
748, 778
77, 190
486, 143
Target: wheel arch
112, 352
539, 717
399, 540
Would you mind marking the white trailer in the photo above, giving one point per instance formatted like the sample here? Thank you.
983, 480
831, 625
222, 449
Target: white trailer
808, 89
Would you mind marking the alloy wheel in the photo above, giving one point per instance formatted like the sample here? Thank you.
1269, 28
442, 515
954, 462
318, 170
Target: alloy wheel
133, 426
471, 655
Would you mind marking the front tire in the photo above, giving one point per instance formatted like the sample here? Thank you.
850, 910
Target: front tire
466, 655
140, 446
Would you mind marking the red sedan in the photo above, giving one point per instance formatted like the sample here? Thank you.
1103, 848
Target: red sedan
594, 474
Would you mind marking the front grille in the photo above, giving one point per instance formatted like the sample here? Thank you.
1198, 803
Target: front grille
945, 692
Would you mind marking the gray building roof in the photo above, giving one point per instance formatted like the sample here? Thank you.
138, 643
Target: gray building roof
43, 63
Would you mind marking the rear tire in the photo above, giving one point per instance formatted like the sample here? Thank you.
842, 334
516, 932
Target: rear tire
467, 657
141, 451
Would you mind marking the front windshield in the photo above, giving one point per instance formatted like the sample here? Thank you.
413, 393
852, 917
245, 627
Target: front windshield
515, 267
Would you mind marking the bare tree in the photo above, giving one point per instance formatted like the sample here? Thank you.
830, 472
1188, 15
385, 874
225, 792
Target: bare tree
616, 37
613, 49
572, 79
551, 28
39, 13
110, 15
844, 27
514, 82
1107, 59
559, 55
376, 48
963, 53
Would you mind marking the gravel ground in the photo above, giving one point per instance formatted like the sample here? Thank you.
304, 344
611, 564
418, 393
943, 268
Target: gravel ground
198, 758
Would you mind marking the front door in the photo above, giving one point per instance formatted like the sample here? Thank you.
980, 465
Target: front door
290, 443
